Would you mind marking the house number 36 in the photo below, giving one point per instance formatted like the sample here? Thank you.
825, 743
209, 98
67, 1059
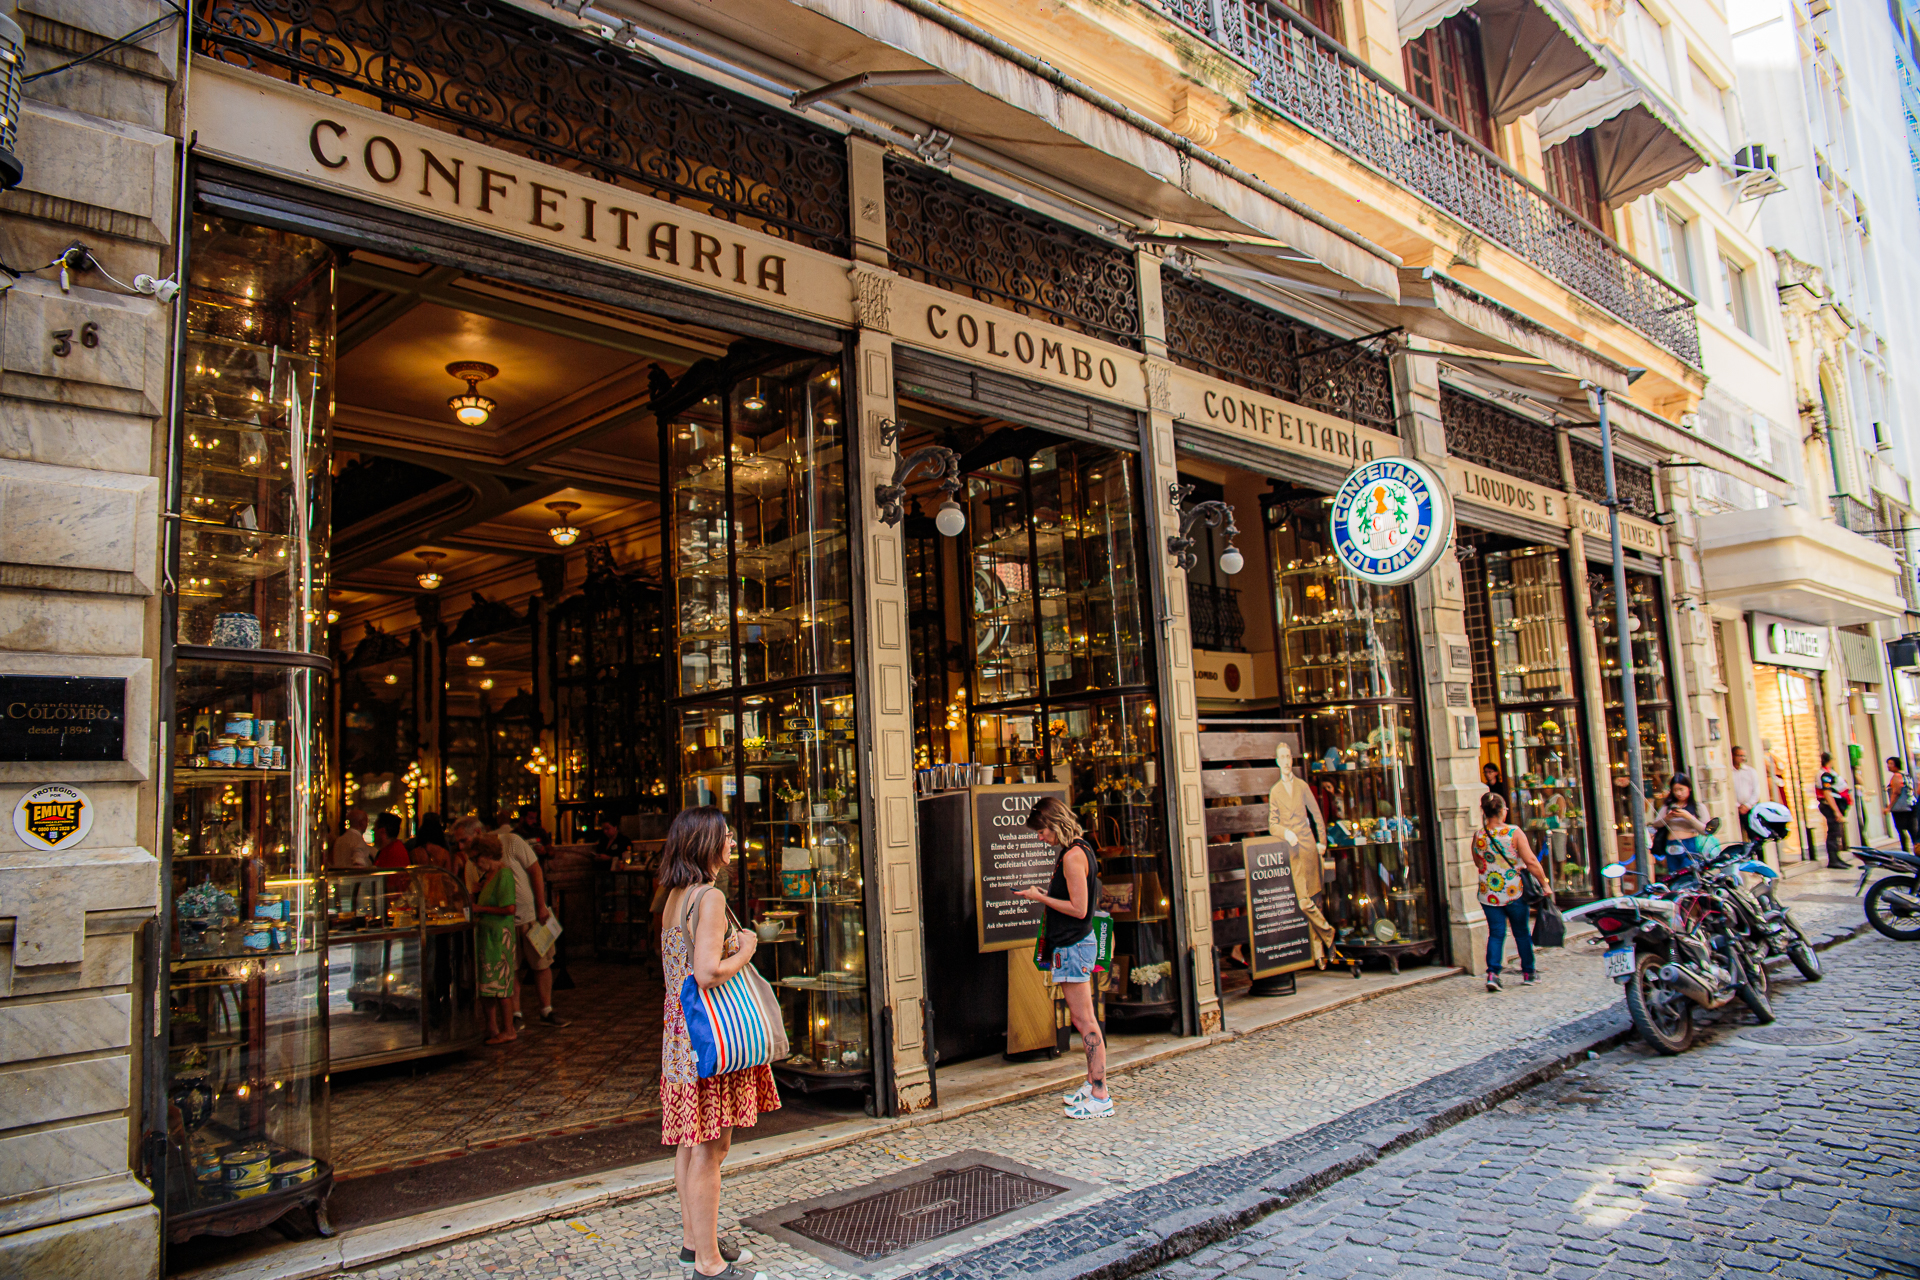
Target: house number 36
63, 339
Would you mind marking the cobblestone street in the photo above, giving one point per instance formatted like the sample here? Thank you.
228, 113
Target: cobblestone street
1197, 1130
1737, 1159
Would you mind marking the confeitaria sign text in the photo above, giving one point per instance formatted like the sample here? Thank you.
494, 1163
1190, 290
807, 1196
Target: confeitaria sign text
1247, 415
333, 143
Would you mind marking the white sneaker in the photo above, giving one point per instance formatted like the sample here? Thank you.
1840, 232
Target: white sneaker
1081, 1094
1091, 1108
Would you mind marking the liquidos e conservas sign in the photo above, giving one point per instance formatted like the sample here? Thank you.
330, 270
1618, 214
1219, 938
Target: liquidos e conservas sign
1008, 857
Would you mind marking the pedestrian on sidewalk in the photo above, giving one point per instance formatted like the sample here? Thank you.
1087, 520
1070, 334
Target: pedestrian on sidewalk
1069, 944
698, 1116
1900, 800
1746, 785
1678, 825
1501, 853
1830, 796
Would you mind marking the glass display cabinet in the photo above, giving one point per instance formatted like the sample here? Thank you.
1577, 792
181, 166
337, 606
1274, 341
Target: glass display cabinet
402, 980
1529, 650
1653, 693
1347, 672
245, 1022
760, 564
1058, 634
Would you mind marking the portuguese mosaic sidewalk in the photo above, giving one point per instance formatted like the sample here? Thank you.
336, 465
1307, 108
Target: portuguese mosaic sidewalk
1195, 1138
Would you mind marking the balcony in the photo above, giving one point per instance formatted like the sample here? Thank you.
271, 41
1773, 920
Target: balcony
1780, 559
1311, 80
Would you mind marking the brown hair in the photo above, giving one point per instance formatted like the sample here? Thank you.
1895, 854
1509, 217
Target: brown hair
1051, 814
485, 845
696, 843
1492, 804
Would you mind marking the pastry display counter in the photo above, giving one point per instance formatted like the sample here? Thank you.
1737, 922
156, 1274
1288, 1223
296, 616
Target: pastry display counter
402, 980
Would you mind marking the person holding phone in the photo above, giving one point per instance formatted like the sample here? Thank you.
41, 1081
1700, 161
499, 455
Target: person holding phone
1679, 825
1070, 945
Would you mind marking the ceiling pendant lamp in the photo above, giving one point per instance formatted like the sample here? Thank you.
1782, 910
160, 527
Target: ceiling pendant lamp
756, 398
564, 531
470, 407
429, 578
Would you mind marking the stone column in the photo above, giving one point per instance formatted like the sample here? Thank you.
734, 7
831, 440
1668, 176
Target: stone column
1179, 720
1453, 729
80, 595
884, 681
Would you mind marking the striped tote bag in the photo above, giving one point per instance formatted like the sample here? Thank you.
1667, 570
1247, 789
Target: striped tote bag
735, 1025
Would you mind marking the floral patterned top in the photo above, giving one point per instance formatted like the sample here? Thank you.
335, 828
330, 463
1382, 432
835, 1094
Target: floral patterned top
1500, 883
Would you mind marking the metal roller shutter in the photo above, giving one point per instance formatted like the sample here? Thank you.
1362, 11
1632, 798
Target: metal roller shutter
1033, 404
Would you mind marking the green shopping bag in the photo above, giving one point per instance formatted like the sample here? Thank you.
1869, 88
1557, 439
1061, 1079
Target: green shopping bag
1102, 944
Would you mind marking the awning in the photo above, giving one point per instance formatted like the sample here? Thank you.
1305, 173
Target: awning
1533, 49
1534, 53
1639, 145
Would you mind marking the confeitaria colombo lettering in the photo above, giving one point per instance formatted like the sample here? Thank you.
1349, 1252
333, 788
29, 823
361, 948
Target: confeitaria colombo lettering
1020, 346
1262, 419
500, 193
1390, 520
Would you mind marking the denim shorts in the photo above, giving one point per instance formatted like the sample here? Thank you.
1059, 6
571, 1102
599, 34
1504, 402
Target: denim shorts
1075, 963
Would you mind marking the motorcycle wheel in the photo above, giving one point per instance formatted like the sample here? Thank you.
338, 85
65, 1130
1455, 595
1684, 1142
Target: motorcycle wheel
1663, 1018
1896, 922
1750, 980
1801, 952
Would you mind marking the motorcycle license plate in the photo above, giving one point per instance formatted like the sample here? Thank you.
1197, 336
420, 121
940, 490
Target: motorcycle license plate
1619, 962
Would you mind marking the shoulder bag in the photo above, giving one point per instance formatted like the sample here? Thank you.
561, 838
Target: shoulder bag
735, 1025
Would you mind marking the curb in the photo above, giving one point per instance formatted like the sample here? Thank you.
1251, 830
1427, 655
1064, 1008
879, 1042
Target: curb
1287, 1172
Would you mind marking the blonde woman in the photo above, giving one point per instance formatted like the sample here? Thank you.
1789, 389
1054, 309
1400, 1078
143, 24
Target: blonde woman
1069, 942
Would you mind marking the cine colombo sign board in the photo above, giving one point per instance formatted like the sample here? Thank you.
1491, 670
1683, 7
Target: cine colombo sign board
1390, 521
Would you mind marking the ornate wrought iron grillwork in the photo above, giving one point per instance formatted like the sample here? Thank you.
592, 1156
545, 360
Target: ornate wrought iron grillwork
1311, 80
1218, 623
948, 234
493, 74
1634, 482
1244, 343
1497, 438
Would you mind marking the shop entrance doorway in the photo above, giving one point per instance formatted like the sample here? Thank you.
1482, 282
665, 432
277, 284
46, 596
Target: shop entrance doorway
1792, 736
527, 623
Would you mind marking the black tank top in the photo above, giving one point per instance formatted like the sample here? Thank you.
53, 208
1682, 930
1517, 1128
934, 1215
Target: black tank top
1065, 930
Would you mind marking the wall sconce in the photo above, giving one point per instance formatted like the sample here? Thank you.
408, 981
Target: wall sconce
1212, 514
13, 46
470, 407
944, 463
564, 532
429, 578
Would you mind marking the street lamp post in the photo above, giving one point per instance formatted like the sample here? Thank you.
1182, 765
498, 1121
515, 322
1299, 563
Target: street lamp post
1629, 701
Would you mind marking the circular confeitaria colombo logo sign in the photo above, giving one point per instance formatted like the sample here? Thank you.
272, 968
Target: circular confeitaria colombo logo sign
53, 816
1391, 519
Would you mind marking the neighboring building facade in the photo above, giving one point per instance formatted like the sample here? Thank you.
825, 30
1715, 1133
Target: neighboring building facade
1824, 98
1263, 291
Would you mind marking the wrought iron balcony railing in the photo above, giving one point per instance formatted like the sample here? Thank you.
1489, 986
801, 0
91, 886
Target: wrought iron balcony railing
1217, 621
1311, 80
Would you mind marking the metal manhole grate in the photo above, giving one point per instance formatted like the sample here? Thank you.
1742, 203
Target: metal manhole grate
905, 1217
1795, 1037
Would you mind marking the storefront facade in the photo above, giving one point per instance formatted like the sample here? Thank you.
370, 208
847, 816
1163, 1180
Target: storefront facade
765, 647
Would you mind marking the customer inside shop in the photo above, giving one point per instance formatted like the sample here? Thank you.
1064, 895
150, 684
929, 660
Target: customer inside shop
489, 630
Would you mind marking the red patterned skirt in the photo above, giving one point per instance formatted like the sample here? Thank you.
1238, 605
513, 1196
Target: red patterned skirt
698, 1112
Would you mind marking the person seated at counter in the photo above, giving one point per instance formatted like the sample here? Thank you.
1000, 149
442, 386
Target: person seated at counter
392, 853
429, 844
611, 847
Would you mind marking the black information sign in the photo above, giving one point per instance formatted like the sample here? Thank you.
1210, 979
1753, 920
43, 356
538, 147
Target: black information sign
1277, 931
62, 718
1006, 857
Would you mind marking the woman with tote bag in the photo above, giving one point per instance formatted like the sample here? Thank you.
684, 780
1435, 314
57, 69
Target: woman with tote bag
698, 1114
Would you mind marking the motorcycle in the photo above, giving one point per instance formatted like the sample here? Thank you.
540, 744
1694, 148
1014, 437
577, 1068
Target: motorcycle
1893, 904
1687, 946
1767, 923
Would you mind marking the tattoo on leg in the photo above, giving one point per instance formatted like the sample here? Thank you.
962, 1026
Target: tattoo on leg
1091, 1040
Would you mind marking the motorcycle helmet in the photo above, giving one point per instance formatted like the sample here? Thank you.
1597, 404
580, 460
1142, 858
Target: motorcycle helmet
1769, 820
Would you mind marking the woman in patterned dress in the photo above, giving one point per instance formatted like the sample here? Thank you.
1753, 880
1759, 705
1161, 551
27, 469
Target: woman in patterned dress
1500, 851
699, 1116
493, 934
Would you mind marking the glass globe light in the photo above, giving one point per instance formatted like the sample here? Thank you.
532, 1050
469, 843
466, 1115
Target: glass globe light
1231, 561
950, 519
